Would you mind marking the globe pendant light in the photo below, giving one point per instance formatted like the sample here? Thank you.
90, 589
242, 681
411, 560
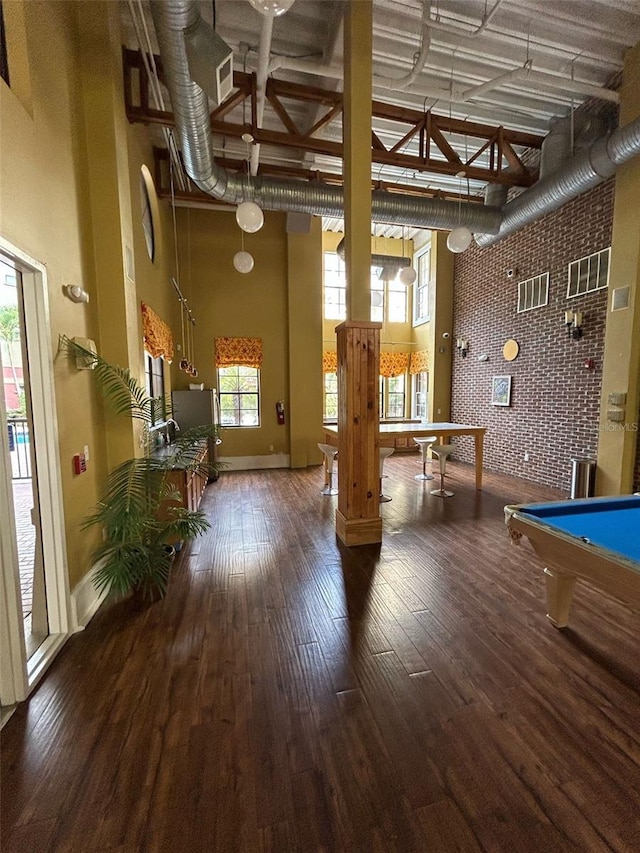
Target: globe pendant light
243, 261
407, 275
271, 8
249, 216
460, 238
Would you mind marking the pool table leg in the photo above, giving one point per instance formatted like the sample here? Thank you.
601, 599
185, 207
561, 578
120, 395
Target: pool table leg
559, 594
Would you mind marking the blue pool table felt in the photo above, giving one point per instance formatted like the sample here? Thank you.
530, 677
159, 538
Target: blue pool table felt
611, 523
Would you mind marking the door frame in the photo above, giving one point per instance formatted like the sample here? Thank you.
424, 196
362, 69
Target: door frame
25, 675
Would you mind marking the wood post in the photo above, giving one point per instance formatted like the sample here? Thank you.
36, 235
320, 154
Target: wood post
358, 519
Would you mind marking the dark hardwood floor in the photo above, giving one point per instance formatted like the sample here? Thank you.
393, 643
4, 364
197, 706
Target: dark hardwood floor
292, 695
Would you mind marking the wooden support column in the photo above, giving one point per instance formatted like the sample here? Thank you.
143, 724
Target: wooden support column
358, 519
621, 363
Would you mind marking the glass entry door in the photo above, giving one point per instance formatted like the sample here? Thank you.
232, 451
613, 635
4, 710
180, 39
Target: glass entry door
35, 604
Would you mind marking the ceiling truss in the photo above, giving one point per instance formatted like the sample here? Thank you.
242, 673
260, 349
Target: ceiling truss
490, 152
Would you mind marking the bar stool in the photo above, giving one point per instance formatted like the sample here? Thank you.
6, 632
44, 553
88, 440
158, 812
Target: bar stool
442, 451
330, 452
384, 453
424, 444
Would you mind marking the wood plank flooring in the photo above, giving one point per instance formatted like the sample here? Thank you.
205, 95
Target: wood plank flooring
293, 695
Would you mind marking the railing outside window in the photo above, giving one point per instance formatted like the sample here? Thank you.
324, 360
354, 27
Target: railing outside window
19, 448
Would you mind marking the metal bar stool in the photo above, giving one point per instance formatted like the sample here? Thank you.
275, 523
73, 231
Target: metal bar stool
330, 452
384, 453
442, 451
424, 444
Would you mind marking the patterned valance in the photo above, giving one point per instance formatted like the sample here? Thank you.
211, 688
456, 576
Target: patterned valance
238, 352
329, 361
393, 363
158, 339
419, 362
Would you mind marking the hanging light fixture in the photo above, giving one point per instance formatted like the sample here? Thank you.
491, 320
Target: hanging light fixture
460, 238
243, 261
249, 215
407, 275
271, 8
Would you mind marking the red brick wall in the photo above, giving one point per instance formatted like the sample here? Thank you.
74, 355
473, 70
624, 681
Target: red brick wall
555, 400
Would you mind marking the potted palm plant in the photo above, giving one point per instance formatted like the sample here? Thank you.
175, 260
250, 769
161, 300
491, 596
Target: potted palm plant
141, 512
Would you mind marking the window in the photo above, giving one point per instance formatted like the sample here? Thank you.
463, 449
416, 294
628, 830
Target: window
533, 292
239, 392
392, 396
154, 384
421, 287
335, 287
588, 274
420, 388
377, 297
330, 396
4, 64
397, 301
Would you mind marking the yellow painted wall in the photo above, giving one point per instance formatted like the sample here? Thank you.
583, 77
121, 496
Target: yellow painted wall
621, 366
43, 206
69, 164
305, 403
228, 303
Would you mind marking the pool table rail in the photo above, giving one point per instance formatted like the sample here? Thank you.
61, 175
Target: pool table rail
566, 559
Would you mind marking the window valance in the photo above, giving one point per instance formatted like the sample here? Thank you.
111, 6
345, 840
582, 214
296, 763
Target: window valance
393, 363
238, 352
419, 362
158, 339
329, 361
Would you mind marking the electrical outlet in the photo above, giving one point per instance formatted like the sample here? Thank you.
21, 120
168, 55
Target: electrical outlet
526, 456
86, 452
271, 448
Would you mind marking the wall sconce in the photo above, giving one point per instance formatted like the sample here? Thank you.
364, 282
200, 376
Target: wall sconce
75, 293
573, 322
462, 346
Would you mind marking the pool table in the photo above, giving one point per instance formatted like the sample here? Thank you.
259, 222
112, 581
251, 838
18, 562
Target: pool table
594, 539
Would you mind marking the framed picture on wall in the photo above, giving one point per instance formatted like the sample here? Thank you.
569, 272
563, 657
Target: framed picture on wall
501, 391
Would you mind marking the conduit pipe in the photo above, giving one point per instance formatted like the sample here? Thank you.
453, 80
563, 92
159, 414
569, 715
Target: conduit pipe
425, 43
262, 75
584, 171
191, 113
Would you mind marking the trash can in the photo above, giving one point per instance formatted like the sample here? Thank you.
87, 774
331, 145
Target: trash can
583, 478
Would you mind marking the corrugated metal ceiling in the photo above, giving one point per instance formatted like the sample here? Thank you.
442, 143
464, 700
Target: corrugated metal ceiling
572, 45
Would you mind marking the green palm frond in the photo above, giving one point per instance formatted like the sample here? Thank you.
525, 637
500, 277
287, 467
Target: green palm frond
141, 510
122, 391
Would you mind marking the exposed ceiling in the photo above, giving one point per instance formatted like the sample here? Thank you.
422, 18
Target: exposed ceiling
557, 53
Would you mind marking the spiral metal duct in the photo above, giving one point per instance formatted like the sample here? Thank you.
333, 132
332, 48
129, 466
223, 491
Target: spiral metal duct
490, 223
584, 171
191, 112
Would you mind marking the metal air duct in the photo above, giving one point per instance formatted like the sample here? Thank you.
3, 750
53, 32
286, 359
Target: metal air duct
584, 171
396, 262
191, 112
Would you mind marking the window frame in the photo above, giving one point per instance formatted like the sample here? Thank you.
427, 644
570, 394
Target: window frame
385, 393
575, 266
239, 411
422, 265
326, 392
416, 390
155, 387
539, 282
340, 312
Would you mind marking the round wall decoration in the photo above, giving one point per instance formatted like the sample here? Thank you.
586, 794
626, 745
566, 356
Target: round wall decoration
510, 350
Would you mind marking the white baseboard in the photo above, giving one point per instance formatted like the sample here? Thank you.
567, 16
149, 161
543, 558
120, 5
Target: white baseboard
85, 601
249, 463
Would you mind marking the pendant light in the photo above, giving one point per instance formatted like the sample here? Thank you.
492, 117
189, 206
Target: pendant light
460, 238
407, 275
249, 215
